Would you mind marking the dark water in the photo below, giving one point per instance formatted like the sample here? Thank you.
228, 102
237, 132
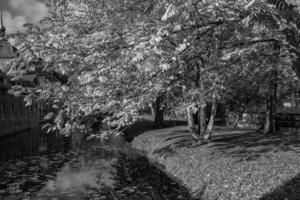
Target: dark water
36, 165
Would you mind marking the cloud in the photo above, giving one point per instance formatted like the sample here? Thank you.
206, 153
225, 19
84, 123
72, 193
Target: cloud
13, 24
29, 11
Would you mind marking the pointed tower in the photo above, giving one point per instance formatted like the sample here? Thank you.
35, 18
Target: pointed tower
2, 29
7, 51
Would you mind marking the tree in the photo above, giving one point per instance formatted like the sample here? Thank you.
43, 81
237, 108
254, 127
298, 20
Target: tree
120, 56
195, 48
89, 43
284, 20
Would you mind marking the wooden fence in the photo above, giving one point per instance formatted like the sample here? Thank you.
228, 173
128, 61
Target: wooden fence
289, 120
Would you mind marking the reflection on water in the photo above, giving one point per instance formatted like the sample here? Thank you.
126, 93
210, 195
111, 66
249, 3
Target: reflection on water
84, 174
29, 159
30, 143
38, 166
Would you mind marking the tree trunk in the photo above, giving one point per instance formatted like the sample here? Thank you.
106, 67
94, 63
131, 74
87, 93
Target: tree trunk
211, 119
152, 107
227, 115
202, 120
270, 125
236, 122
274, 85
239, 118
190, 119
294, 99
199, 120
268, 122
159, 112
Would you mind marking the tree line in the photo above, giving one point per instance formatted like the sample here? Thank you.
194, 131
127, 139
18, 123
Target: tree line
121, 57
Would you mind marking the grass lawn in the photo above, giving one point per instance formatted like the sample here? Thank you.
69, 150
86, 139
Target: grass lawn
238, 164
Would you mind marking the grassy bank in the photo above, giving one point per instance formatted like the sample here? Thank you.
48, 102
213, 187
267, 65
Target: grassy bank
237, 164
146, 124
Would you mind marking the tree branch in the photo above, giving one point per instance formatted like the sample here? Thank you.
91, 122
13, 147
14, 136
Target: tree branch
240, 44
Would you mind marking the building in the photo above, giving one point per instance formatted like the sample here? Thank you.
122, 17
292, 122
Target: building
14, 115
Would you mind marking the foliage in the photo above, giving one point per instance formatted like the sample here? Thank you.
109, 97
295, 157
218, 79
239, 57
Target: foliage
97, 63
119, 56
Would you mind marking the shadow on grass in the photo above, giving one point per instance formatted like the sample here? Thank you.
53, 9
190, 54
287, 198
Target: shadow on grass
176, 139
138, 128
172, 123
183, 138
289, 190
237, 143
250, 146
135, 178
146, 124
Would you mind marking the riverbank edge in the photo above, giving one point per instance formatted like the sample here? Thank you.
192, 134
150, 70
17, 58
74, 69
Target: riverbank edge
161, 167
160, 163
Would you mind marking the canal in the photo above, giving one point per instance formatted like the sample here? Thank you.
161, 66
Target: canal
37, 165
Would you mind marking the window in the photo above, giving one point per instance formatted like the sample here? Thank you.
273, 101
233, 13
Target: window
20, 110
12, 111
3, 111
41, 110
38, 110
25, 111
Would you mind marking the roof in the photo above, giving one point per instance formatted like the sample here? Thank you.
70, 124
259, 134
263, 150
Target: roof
7, 51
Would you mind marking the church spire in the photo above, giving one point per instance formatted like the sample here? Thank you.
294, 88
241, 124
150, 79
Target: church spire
2, 29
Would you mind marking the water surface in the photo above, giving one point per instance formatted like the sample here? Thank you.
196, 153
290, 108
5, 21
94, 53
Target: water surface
35, 165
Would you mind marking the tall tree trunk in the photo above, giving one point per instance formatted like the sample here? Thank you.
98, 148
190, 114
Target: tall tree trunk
159, 112
268, 122
211, 119
202, 119
275, 86
236, 122
191, 121
270, 125
294, 99
227, 115
199, 120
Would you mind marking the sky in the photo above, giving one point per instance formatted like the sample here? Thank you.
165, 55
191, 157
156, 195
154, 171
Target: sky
18, 12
